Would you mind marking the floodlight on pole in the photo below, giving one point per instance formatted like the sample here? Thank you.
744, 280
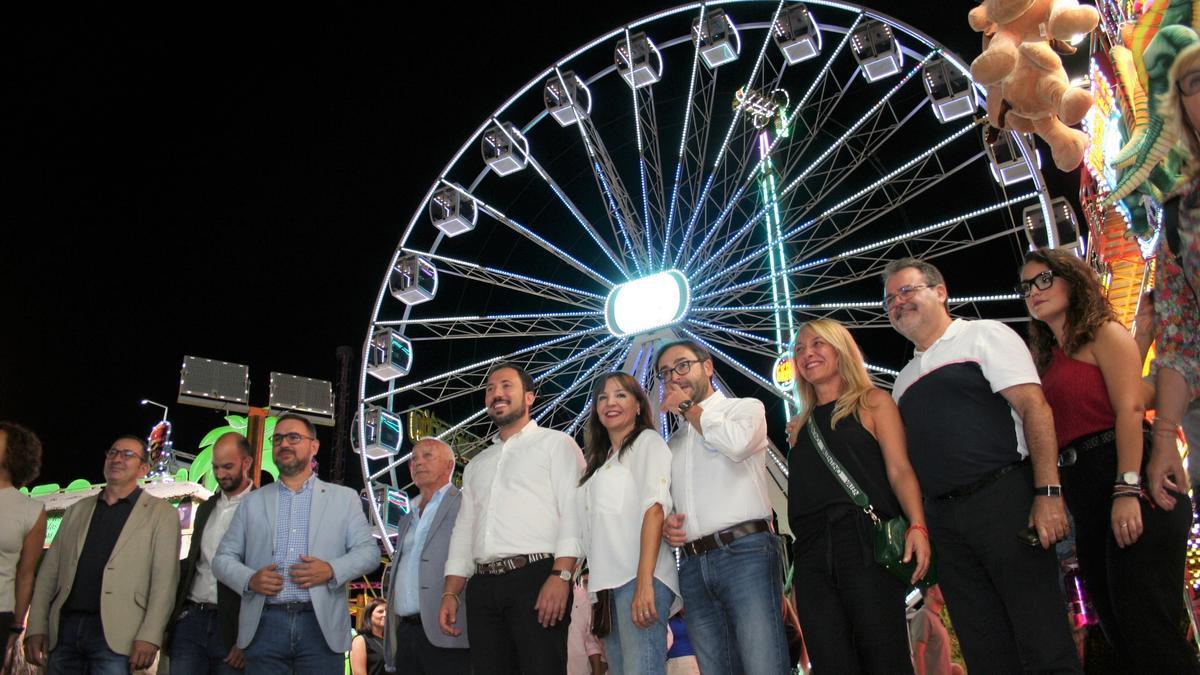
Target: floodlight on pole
147, 401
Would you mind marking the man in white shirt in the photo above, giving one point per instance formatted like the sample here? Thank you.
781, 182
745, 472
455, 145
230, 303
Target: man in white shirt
516, 538
731, 570
204, 623
411, 635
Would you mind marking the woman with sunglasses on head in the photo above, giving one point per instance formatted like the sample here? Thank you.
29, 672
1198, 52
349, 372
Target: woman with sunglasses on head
1131, 554
625, 495
1177, 285
851, 609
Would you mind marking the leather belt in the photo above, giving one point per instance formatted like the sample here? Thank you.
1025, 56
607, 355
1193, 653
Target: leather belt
1070, 454
202, 606
723, 537
506, 565
411, 620
987, 479
291, 607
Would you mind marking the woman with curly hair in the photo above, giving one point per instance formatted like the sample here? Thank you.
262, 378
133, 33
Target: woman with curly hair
22, 529
625, 494
1131, 554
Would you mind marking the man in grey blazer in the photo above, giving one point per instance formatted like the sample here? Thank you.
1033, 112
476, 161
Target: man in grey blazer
412, 636
290, 551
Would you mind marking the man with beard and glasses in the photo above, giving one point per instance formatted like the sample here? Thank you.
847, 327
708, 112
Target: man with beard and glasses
731, 569
103, 593
981, 440
516, 538
290, 551
204, 625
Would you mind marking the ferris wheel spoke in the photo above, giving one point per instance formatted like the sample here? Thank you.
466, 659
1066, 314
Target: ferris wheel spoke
617, 260
881, 249
693, 143
506, 325
645, 119
736, 338
722, 177
549, 290
534, 237
470, 376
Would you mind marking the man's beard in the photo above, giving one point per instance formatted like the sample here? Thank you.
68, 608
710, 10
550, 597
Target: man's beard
293, 467
232, 484
515, 412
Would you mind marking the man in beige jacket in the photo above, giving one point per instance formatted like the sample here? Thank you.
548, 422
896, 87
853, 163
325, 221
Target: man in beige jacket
106, 586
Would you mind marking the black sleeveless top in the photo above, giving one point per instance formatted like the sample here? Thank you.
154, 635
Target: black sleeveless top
812, 487
374, 654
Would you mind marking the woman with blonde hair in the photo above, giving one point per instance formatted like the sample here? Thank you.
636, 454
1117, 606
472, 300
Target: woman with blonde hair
1177, 285
851, 609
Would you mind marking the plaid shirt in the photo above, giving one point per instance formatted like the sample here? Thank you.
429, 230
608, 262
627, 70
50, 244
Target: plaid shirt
291, 537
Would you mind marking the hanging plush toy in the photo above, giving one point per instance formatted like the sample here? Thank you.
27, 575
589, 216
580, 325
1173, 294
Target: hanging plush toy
1020, 67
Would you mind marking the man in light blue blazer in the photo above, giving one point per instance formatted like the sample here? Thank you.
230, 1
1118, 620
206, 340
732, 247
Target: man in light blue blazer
290, 551
412, 637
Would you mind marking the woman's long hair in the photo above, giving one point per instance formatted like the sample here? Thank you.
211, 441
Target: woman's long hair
850, 368
1175, 114
364, 619
596, 443
1087, 306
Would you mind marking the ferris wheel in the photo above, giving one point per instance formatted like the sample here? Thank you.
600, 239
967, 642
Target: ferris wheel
719, 172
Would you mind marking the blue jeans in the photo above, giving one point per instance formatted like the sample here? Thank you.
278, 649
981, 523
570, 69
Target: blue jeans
645, 649
82, 648
289, 642
196, 645
733, 598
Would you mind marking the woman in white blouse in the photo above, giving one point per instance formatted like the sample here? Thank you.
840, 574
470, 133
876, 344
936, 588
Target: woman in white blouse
626, 494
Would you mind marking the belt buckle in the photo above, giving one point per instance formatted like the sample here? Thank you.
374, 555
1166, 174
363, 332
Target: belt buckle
1068, 457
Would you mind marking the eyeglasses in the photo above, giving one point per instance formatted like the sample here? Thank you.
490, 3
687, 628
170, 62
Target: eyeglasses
903, 293
123, 454
1043, 281
1189, 83
681, 368
292, 438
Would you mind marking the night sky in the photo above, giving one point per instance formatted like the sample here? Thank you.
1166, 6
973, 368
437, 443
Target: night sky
233, 187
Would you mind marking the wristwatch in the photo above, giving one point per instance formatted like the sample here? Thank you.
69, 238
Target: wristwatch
1130, 478
565, 575
1048, 491
686, 406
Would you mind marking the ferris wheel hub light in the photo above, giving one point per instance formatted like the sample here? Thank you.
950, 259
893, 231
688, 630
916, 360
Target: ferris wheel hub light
644, 304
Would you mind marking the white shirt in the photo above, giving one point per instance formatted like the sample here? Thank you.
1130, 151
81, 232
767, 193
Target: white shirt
613, 504
719, 479
518, 497
204, 583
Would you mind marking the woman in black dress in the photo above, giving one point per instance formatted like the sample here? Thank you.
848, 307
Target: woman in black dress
851, 609
366, 650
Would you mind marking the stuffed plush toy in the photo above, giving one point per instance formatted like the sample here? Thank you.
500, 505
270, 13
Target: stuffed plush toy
1020, 67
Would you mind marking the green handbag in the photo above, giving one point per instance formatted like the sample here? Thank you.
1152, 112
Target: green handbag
889, 534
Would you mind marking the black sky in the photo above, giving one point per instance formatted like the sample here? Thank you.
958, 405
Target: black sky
233, 187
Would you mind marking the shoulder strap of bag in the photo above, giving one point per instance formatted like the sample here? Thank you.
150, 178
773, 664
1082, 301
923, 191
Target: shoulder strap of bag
855, 493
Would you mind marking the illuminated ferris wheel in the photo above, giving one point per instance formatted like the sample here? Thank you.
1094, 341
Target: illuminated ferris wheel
719, 172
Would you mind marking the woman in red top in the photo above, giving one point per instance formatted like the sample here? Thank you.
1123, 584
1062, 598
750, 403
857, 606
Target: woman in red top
1131, 553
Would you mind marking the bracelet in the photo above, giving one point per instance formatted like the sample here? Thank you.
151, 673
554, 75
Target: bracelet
1123, 490
919, 528
452, 595
16, 629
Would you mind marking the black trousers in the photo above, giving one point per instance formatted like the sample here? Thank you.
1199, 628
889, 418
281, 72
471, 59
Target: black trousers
1137, 591
1003, 595
416, 655
851, 610
506, 637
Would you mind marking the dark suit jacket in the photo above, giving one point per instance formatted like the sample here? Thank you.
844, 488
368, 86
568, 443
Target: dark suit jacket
229, 603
